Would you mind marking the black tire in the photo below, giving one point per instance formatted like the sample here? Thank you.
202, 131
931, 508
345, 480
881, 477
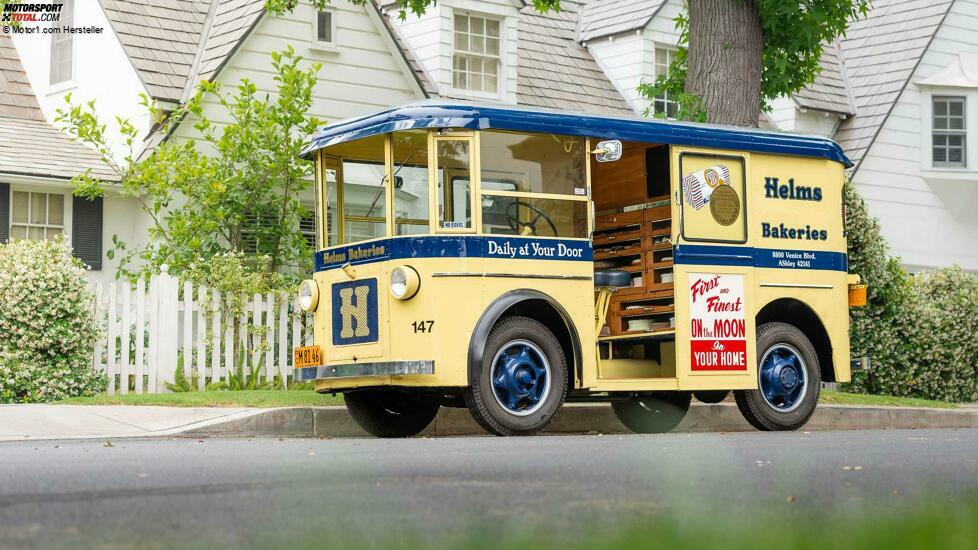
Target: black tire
486, 406
711, 397
762, 413
391, 413
653, 413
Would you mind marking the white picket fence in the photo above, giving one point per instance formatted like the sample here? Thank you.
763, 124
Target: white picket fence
148, 326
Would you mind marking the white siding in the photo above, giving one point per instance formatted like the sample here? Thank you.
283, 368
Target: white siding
628, 58
430, 38
364, 74
928, 216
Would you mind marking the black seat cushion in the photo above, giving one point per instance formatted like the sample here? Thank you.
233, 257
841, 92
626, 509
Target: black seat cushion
612, 278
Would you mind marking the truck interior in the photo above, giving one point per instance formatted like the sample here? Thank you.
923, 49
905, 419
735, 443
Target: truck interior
633, 233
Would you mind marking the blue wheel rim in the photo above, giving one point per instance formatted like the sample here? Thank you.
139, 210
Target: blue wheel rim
782, 378
520, 377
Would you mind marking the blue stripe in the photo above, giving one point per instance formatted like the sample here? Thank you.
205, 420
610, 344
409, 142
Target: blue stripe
455, 246
440, 114
781, 258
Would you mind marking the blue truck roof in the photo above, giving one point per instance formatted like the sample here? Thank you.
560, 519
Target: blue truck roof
471, 116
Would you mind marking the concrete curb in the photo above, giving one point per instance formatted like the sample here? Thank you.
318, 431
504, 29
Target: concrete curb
297, 422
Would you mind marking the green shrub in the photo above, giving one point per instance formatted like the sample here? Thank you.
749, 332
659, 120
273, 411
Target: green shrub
47, 324
919, 331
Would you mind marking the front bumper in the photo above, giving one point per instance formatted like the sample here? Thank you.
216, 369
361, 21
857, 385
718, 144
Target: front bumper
355, 370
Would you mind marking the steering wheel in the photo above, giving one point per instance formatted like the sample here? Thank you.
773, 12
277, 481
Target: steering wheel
516, 224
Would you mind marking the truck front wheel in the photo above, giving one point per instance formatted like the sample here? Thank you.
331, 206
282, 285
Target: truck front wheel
788, 380
391, 413
522, 381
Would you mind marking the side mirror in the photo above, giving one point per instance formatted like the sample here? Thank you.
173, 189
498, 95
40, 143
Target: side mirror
608, 151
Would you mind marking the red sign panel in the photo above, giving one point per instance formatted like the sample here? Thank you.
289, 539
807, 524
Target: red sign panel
718, 323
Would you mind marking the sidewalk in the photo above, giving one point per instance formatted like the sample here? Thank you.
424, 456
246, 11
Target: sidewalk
36, 422
20, 422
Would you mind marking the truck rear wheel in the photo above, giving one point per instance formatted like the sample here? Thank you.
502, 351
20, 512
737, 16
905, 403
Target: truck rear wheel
654, 413
391, 413
522, 381
788, 380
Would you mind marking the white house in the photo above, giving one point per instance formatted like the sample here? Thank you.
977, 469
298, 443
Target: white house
895, 92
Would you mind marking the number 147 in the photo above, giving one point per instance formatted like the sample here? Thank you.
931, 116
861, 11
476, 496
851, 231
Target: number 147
422, 326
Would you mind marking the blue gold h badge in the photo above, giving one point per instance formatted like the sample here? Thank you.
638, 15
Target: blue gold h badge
355, 312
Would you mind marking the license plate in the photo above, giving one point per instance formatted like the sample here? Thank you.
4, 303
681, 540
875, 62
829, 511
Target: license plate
307, 356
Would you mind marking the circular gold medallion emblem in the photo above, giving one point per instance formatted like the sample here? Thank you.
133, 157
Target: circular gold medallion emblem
724, 205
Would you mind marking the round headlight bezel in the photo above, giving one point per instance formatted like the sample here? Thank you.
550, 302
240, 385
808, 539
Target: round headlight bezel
308, 296
404, 282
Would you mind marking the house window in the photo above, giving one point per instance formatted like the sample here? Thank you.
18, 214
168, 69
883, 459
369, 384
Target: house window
36, 216
61, 46
476, 59
662, 104
949, 132
324, 29
307, 226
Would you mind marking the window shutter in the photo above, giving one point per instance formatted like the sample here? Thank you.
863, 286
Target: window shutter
4, 212
86, 230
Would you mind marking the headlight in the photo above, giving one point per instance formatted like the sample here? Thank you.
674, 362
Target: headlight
308, 296
404, 282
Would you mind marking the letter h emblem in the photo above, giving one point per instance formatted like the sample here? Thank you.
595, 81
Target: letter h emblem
354, 312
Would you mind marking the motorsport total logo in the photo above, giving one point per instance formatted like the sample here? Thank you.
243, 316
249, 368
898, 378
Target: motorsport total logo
40, 18
31, 13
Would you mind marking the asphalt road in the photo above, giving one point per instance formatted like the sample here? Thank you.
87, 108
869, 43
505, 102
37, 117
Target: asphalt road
295, 493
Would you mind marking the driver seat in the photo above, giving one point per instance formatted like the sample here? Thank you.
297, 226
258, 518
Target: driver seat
606, 281
611, 278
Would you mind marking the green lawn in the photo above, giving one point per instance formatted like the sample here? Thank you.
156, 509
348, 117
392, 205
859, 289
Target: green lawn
305, 398
842, 398
247, 398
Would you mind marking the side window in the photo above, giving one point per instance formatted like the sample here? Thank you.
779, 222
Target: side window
330, 174
713, 199
411, 194
364, 190
533, 185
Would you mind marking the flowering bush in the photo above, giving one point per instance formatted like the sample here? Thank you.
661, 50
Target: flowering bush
919, 331
47, 326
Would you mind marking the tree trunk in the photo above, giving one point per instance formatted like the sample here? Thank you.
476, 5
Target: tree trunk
724, 65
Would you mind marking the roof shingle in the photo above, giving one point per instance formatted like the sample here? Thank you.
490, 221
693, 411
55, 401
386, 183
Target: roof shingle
556, 71
601, 18
161, 38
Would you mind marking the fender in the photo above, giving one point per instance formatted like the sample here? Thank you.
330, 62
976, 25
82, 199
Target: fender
477, 344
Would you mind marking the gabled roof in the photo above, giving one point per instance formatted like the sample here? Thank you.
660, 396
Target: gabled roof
29, 146
232, 22
881, 52
601, 18
161, 39
556, 71
830, 90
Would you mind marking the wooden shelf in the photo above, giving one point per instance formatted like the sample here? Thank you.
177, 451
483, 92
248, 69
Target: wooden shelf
616, 238
637, 230
616, 254
648, 311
